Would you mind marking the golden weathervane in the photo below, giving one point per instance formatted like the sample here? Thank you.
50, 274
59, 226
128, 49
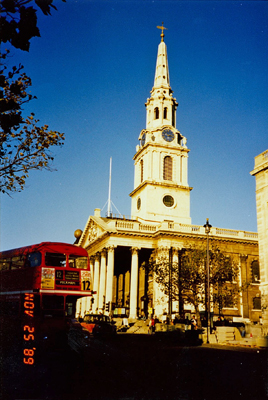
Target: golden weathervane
162, 28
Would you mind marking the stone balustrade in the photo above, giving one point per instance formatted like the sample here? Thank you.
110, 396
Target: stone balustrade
132, 225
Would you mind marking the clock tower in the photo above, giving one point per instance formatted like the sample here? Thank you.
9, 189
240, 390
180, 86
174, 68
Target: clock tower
161, 191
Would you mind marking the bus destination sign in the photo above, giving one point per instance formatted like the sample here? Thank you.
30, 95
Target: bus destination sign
67, 278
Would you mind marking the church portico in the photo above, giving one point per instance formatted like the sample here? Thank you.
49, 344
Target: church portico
121, 247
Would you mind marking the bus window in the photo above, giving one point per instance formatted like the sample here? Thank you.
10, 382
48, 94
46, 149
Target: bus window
17, 262
55, 260
4, 264
77, 262
34, 259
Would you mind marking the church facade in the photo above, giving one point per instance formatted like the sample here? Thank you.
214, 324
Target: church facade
160, 221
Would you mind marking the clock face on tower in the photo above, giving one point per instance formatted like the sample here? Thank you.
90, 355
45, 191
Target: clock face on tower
168, 135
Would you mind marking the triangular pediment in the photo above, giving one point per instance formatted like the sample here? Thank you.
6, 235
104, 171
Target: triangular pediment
96, 228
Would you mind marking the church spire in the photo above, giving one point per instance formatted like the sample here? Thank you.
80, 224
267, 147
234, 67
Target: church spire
161, 106
161, 79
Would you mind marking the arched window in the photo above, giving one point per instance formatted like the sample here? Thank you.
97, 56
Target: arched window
156, 113
165, 113
255, 270
167, 170
141, 164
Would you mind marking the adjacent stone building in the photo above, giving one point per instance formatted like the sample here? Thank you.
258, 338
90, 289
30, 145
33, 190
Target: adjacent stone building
160, 220
261, 174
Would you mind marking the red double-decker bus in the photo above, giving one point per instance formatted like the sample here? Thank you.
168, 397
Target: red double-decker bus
39, 288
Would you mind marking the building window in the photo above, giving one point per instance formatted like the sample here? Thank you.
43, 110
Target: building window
168, 201
167, 170
138, 203
165, 113
228, 301
141, 164
255, 271
257, 303
156, 113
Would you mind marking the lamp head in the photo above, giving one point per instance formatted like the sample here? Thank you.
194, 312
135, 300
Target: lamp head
207, 227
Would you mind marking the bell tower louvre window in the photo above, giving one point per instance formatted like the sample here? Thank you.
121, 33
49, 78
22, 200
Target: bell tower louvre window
173, 116
165, 113
156, 113
167, 171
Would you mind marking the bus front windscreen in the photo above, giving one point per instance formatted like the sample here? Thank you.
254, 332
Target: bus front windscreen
55, 260
77, 262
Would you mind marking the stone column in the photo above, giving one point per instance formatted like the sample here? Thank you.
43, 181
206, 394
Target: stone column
91, 263
110, 276
102, 281
134, 283
175, 257
160, 306
96, 282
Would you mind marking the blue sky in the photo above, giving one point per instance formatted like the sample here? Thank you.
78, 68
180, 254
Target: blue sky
92, 71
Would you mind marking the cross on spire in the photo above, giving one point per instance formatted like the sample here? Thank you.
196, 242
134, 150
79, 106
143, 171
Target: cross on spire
162, 28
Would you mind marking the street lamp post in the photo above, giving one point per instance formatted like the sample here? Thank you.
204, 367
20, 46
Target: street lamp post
170, 285
207, 227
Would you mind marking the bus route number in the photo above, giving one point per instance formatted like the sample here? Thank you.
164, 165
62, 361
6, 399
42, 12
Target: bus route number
86, 285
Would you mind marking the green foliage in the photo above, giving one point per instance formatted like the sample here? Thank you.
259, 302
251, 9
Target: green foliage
18, 21
26, 150
13, 89
186, 279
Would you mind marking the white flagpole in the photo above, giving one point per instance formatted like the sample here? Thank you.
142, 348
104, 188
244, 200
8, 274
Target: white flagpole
110, 185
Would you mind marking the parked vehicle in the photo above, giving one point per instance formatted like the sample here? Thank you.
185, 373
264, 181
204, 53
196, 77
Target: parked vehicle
98, 325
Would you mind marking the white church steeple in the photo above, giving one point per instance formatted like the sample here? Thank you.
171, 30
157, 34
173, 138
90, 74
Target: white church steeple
161, 190
161, 78
161, 106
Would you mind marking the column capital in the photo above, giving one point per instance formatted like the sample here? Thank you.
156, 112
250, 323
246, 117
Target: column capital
163, 249
111, 248
243, 257
103, 251
134, 250
176, 249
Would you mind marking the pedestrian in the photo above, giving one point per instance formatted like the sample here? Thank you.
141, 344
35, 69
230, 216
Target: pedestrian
224, 321
151, 325
125, 324
187, 323
193, 323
